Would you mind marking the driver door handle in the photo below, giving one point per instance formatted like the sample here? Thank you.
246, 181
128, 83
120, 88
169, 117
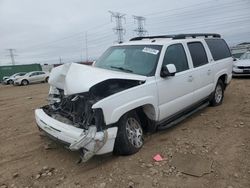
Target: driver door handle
190, 78
209, 71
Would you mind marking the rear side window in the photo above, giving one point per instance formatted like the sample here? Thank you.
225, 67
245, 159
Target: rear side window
198, 54
218, 48
176, 55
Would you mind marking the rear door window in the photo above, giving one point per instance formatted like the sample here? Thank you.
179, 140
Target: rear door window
218, 48
198, 54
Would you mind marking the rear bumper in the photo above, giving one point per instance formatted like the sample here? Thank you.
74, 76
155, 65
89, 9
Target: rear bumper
90, 140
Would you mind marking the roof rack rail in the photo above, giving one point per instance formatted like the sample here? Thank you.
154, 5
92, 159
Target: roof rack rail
179, 36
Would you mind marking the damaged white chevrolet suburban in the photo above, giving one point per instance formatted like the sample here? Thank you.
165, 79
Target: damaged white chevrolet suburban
146, 84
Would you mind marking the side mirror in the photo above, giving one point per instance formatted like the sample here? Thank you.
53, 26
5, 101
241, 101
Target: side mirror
168, 70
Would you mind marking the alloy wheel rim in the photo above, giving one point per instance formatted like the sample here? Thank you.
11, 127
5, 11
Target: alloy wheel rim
218, 93
134, 132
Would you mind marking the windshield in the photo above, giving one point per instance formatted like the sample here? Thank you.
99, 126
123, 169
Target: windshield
14, 75
22, 73
136, 59
19, 74
245, 56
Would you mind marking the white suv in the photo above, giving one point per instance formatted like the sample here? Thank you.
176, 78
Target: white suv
146, 84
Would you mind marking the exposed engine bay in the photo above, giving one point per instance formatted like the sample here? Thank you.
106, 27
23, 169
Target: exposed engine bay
77, 109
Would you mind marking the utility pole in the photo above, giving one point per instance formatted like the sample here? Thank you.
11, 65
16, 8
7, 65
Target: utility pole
86, 46
60, 60
119, 30
12, 55
140, 28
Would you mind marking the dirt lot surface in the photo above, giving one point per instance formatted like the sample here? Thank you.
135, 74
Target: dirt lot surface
218, 136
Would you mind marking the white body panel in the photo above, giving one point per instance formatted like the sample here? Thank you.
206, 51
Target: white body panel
145, 94
175, 93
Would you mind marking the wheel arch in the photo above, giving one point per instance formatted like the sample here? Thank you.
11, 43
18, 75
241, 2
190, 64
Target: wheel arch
25, 80
144, 107
223, 76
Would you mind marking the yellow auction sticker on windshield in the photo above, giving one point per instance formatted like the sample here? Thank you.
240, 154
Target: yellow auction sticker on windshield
150, 50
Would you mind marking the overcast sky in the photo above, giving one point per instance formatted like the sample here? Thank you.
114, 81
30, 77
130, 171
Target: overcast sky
42, 31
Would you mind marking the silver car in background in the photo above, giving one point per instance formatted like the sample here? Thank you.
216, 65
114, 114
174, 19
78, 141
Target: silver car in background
32, 77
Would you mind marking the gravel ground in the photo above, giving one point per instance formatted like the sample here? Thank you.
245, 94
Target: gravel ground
220, 135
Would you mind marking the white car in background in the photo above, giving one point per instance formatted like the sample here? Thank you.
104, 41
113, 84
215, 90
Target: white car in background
242, 66
32, 77
10, 80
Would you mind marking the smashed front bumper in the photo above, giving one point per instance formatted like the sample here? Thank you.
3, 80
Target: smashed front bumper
89, 141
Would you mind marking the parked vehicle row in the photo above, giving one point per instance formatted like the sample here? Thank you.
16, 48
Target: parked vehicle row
24, 79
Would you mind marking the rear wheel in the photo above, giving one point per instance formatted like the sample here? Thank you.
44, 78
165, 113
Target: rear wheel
218, 94
24, 82
129, 138
46, 79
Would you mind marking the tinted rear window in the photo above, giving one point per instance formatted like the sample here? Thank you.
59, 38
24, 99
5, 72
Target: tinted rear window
198, 54
218, 48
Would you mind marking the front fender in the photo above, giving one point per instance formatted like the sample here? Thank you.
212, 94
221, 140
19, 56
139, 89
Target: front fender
116, 105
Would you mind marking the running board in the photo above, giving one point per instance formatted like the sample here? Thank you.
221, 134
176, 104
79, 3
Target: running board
178, 120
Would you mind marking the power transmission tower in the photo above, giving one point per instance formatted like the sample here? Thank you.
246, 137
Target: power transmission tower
140, 28
12, 55
119, 30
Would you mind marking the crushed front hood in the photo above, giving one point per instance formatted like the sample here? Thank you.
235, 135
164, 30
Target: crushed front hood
76, 78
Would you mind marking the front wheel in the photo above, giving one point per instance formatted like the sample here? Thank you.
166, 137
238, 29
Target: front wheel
24, 82
129, 138
11, 81
218, 94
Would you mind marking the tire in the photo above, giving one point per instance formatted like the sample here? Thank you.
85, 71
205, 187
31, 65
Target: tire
129, 138
25, 82
46, 79
10, 82
218, 94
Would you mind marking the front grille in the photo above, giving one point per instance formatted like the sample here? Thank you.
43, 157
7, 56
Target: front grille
244, 67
